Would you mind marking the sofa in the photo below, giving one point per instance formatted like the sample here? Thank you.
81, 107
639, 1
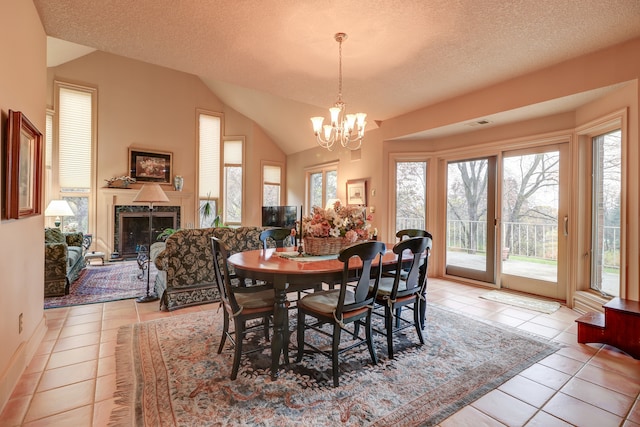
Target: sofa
185, 263
63, 260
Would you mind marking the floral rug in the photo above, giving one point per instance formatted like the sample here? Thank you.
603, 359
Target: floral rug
101, 283
169, 374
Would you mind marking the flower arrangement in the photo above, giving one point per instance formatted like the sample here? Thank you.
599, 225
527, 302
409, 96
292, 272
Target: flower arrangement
348, 222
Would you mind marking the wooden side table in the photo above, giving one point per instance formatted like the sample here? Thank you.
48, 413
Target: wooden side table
94, 255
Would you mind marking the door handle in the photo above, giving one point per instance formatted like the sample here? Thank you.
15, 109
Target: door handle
566, 225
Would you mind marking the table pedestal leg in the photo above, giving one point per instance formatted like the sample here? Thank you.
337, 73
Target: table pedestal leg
279, 343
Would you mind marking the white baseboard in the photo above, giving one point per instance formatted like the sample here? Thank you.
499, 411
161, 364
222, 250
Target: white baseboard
19, 362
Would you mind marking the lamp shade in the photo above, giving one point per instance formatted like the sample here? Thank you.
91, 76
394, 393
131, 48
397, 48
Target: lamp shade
151, 193
58, 208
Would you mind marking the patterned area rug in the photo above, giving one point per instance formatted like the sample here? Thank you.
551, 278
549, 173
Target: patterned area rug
535, 304
101, 283
169, 374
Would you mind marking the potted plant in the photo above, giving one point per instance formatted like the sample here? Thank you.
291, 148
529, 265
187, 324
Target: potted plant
208, 215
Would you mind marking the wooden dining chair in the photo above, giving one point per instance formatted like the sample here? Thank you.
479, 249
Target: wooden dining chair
407, 288
282, 237
241, 303
339, 307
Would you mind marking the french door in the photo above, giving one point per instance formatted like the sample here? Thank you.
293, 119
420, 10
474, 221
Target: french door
530, 204
471, 191
535, 222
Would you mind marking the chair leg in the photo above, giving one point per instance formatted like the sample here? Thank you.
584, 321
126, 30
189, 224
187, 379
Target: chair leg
239, 332
416, 320
369, 332
225, 331
266, 328
388, 325
301, 328
423, 309
398, 314
334, 354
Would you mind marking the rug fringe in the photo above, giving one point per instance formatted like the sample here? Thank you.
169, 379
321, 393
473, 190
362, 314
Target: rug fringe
122, 415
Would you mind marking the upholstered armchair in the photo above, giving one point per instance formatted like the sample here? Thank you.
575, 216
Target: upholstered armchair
63, 260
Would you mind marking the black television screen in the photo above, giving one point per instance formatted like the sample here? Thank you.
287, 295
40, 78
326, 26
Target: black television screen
279, 216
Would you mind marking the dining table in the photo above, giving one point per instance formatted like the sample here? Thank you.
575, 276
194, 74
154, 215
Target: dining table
290, 271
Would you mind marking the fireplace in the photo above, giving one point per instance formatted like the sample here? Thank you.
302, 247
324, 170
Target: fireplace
132, 227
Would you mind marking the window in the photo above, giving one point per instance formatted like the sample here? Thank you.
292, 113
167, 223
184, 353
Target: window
322, 185
605, 223
209, 137
271, 185
76, 112
233, 180
411, 193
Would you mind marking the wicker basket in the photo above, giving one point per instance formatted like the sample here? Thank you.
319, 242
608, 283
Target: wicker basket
323, 245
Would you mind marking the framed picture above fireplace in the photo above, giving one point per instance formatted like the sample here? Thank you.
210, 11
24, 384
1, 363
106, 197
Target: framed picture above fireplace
150, 166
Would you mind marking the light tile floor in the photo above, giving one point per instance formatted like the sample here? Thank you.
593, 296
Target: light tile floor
71, 380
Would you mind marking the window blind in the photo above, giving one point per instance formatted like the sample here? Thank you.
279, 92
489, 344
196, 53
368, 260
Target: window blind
233, 153
271, 174
75, 139
209, 156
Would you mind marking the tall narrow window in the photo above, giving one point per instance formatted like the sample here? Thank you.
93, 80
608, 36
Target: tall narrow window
411, 193
209, 137
322, 186
76, 112
605, 225
233, 181
271, 185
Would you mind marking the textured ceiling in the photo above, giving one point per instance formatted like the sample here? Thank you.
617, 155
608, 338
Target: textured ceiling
276, 61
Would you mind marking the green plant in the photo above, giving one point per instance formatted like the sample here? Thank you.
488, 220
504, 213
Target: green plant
166, 233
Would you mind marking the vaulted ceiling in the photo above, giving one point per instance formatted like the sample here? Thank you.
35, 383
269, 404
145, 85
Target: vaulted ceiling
276, 61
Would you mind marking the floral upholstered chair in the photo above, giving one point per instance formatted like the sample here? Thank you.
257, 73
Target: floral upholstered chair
63, 260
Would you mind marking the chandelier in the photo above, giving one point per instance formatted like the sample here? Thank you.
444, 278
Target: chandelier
348, 129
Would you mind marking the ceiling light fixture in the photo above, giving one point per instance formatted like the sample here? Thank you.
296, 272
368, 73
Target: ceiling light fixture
346, 128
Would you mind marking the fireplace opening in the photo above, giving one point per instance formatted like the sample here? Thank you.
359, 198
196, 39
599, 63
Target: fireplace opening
132, 227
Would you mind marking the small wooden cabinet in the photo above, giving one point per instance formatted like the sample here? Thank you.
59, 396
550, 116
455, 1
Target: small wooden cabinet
618, 326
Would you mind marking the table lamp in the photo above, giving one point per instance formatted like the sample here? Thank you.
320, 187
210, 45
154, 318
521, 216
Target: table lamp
58, 208
150, 193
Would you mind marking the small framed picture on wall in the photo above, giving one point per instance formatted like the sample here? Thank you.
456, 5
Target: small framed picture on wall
357, 192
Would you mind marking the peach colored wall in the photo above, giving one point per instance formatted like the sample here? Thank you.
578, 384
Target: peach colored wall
152, 107
22, 88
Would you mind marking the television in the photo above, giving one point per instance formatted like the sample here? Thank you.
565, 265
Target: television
279, 216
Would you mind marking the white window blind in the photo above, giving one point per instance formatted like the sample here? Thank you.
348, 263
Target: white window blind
48, 156
75, 139
209, 159
233, 152
271, 174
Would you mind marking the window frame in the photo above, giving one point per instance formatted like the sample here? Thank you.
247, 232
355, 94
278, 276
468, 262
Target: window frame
282, 184
199, 200
323, 169
584, 297
224, 190
55, 191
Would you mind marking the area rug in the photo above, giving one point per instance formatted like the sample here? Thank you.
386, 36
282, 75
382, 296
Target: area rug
101, 283
541, 305
169, 374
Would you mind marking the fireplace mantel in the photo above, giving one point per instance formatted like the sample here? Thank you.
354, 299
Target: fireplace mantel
108, 198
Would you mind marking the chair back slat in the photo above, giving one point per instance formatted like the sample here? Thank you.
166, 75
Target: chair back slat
367, 252
408, 233
280, 236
